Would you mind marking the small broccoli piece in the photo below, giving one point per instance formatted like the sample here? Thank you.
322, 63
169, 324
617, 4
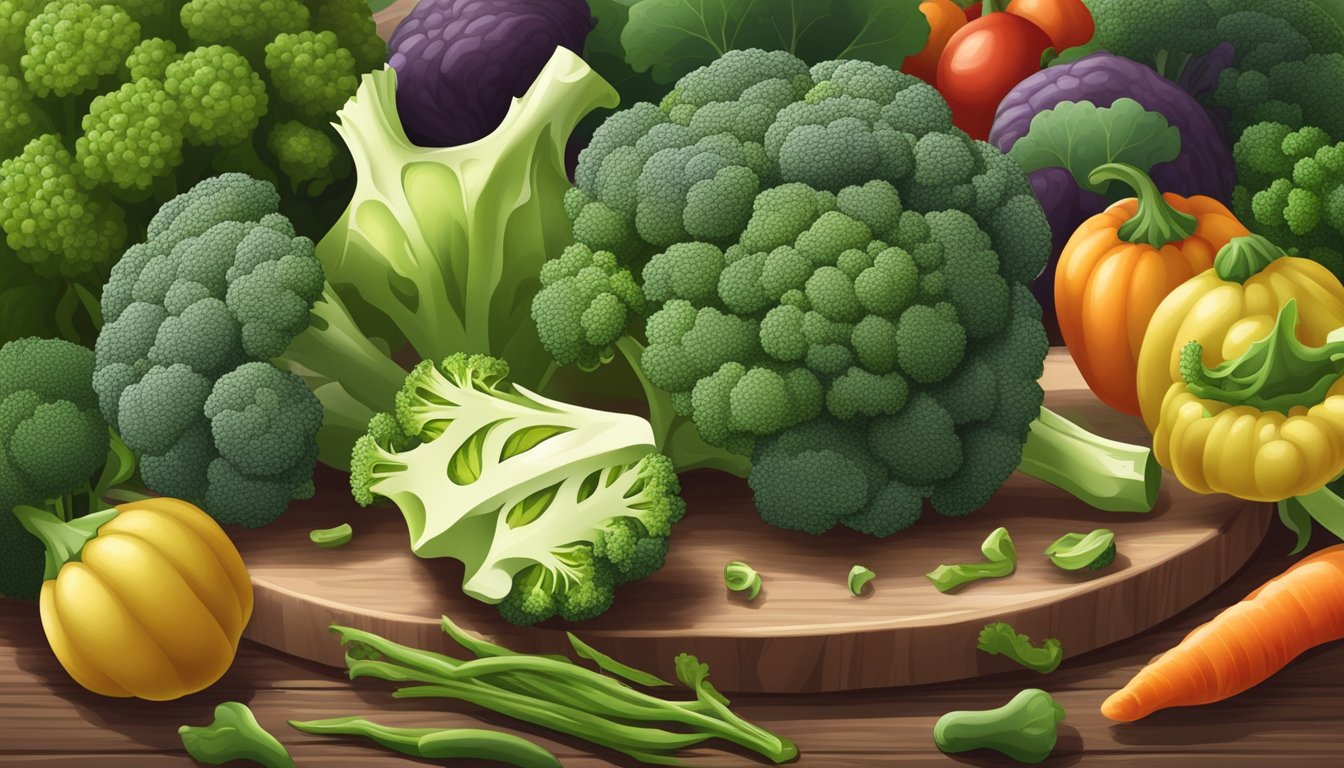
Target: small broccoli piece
859, 577
549, 506
999, 638
311, 72
740, 577
306, 155
53, 444
132, 136
221, 96
150, 59
1000, 560
193, 317
585, 303
50, 219
70, 47
235, 734
1076, 551
336, 536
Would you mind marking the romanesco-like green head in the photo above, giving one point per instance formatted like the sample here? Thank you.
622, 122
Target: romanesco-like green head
549, 506
193, 317
52, 441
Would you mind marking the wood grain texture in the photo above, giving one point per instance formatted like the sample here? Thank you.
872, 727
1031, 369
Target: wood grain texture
1290, 721
391, 16
805, 633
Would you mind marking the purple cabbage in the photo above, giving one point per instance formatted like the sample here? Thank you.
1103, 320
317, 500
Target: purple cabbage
1204, 166
460, 62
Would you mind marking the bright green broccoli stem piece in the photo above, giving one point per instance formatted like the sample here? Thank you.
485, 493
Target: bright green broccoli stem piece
1076, 551
740, 577
1244, 257
1001, 559
1107, 474
234, 735
1276, 373
1324, 506
1155, 223
439, 744
677, 436
1000, 638
1025, 729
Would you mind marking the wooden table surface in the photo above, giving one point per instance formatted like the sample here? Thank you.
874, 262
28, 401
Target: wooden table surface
1291, 720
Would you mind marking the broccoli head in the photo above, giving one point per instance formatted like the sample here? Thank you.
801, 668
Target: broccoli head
549, 506
834, 283
193, 316
53, 444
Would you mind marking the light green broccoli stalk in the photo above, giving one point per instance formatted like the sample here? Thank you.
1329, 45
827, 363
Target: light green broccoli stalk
58, 461
1000, 561
548, 506
440, 249
194, 315
832, 296
999, 638
235, 734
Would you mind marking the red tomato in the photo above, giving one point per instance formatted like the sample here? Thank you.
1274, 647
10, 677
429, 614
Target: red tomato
945, 18
982, 62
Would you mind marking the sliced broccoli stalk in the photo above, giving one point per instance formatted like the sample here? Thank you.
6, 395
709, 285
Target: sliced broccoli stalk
740, 577
1076, 551
235, 734
859, 577
1106, 474
1000, 638
1276, 373
1001, 559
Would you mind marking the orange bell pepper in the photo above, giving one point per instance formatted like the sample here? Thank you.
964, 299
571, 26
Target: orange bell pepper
945, 18
1119, 266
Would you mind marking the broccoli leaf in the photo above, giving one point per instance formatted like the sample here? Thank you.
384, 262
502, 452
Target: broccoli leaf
673, 37
1079, 137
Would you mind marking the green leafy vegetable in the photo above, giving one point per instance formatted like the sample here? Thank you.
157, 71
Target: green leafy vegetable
562, 696
1080, 137
740, 577
438, 743
1000, 638
1025, 729
332, 537
235, 734
1076, 551
1000, 556
669, 38
859, 576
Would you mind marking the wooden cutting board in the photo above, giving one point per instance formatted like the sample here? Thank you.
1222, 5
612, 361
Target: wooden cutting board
805, 632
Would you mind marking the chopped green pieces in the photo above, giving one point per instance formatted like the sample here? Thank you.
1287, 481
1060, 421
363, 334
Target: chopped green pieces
741, 577
859, 576
1000, 638
1025, 729
234, 735
1001, 560
332, 537
1076, 551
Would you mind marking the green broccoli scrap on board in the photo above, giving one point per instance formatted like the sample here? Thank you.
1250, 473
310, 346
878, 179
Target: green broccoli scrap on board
1000, 560
109, 109
999, 638
182, 367
834, 286
549, 506
740, 577
337, 536
1077, 551
234, 734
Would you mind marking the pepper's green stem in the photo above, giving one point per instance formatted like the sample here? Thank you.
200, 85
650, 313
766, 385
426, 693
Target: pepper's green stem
993, 6
1156, 223
1276, 373
1244, 257
64, 540
1107, 474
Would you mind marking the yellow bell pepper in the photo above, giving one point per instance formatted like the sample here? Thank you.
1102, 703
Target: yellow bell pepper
1236, 376
147, 599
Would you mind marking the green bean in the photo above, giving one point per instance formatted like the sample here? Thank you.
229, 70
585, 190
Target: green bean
437, 743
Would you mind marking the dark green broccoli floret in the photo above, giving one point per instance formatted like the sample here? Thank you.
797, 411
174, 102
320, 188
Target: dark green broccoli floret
194, 315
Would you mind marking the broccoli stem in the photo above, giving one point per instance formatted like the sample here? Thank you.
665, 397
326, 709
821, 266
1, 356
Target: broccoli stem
1106, 474
1156, 222
676, 435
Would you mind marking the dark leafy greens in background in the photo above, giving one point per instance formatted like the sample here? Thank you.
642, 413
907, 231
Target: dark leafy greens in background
642, 45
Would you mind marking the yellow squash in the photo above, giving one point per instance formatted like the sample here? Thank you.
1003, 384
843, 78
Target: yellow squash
1262, 426
148, 599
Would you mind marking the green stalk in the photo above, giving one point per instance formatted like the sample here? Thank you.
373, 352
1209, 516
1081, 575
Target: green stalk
1156, 223
439, 743
1244, 257
64, 539
1106, 474
993, 6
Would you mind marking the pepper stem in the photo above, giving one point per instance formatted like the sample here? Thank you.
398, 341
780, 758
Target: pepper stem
1276, 373
1156, 222
993, 6
64, 540
1244, 257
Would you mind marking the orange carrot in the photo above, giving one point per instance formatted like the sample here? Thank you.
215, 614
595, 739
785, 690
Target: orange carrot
1299, 609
